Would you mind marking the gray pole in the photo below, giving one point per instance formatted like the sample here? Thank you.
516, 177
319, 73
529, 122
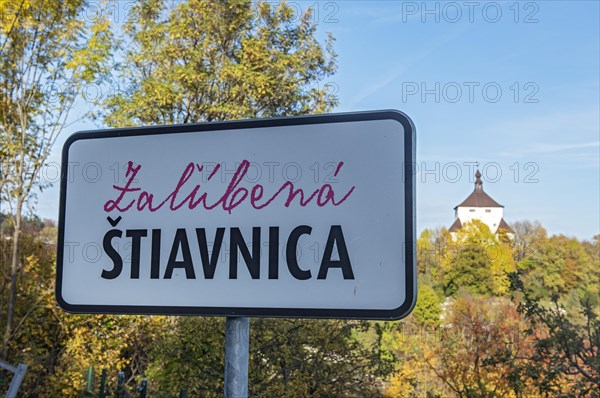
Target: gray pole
237, 347
13, 389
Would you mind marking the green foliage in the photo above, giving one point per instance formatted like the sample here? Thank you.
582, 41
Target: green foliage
318, 358
188, 353
291, 358
469, 269
428, 309
566, 361
477, 261
37, 336
559, 265
428, 254
204, 61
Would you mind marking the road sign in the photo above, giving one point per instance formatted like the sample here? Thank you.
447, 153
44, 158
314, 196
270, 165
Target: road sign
307, 216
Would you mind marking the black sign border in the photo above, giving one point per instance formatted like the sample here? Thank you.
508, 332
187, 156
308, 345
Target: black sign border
332, 313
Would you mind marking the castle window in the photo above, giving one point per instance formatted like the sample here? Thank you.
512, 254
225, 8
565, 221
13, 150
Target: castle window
472, 210
488, 210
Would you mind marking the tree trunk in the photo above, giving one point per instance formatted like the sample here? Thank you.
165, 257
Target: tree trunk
13, 279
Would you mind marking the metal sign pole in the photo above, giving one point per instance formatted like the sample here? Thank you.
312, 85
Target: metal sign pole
19, 373
237, 347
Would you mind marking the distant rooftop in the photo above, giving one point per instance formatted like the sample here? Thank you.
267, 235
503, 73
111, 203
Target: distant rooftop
478, 198
456, 225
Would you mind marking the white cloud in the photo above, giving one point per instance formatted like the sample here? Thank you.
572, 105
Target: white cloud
548, 148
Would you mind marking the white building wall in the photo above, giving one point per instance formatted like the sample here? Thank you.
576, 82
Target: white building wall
490, 216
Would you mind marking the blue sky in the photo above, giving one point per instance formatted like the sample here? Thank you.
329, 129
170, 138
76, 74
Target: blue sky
514, 86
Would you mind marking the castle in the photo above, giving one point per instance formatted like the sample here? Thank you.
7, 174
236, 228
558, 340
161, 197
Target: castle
480, 206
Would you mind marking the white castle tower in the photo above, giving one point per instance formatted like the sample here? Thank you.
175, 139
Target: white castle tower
480, 206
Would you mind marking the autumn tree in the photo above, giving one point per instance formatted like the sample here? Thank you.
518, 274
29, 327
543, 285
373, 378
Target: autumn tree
559, 265
566, 359
203, 61
48, 53
477, 261
428, 309
528, 236
36, 337
55, 345
430, 245
476, 353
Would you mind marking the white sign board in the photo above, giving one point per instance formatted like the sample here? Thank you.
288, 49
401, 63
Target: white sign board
296, 217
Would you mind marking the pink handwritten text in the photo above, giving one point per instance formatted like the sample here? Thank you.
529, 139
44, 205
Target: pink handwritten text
187, 195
